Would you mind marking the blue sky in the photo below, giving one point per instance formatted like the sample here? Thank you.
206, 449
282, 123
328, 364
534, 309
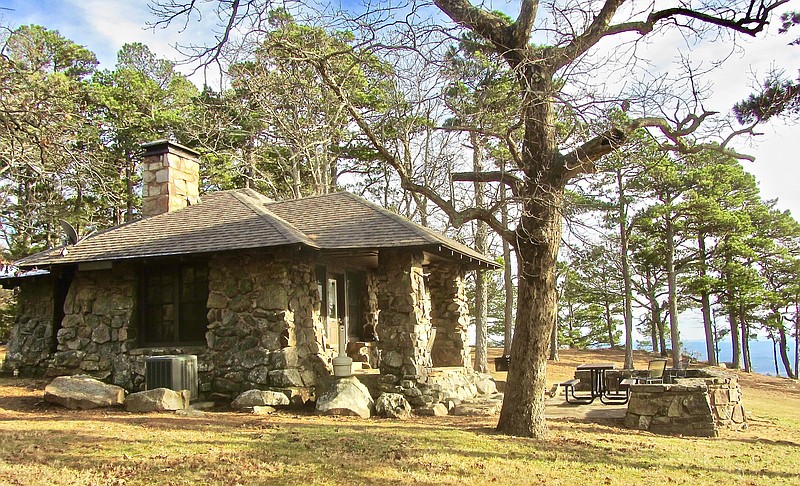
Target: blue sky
105, 25
101, 25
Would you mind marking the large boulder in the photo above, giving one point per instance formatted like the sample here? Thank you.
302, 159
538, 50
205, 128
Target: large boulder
432, 410
486, 385
260, 398
158, 400
478, 408
392, 405
346, 396
83, 392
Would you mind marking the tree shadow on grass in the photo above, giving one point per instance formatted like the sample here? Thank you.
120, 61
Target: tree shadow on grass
292, 449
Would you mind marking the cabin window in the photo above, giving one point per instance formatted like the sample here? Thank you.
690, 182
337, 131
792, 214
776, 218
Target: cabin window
173, 304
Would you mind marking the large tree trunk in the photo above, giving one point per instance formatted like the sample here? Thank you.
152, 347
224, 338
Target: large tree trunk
481, 331
654, 336
655, 315
626, 272
744, 334
554, 344
736, 350
662, 334
610, 327
796, 334
249, 169
539, 238
128, 188
672, 287
705, 303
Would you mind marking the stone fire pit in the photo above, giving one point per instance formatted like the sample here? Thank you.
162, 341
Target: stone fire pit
701, 404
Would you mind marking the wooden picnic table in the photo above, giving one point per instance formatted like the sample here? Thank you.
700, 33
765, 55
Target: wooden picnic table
598, 376
597, 381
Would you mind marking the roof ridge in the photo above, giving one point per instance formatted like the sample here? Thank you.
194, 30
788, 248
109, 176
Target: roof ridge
286, 229
304, 198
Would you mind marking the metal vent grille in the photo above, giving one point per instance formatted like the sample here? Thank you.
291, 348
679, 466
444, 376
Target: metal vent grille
177, 373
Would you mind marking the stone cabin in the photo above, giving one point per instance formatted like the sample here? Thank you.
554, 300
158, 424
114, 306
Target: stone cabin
255, 288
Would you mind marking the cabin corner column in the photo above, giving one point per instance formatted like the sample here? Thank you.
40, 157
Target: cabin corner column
449, 315
404, 326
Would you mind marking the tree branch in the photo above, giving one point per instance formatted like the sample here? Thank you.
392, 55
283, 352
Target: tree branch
753, 21
524, 24
590, 37
509, 39
582, 159
457, 218
512, 181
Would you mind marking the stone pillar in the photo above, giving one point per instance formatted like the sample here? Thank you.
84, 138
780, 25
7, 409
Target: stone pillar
170, 178
449, 315
404, 327
99, 327
30, 342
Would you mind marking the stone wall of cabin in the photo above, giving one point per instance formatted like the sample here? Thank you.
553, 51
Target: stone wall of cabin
30, 344
264, 330
449, 315
98, 325
404, 325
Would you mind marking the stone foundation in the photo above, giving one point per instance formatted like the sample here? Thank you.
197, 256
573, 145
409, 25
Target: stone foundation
441, 385
701, 404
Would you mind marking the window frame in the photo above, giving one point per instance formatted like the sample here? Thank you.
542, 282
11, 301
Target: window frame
176, 272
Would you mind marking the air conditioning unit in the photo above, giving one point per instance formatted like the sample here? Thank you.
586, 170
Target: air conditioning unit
178, 372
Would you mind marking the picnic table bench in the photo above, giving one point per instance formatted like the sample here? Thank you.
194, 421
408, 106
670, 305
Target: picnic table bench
569, 391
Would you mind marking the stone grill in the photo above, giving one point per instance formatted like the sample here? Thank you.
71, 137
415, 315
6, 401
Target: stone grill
701, 404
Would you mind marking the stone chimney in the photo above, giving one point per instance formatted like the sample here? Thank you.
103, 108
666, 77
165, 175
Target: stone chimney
170, 177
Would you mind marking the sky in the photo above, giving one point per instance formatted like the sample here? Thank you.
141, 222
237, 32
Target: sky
104, 26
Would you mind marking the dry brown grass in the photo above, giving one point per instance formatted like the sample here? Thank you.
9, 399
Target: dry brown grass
42, 444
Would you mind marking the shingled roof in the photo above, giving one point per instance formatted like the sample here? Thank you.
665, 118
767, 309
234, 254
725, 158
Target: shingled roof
345, 221
226, 220
244, 219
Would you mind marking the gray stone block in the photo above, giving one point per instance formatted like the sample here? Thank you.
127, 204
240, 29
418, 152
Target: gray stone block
83, 392
157, 400
345, 396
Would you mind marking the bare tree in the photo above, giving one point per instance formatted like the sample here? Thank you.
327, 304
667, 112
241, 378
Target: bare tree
546, 159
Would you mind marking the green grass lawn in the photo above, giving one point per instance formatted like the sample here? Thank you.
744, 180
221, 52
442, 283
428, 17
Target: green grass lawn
42, 444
